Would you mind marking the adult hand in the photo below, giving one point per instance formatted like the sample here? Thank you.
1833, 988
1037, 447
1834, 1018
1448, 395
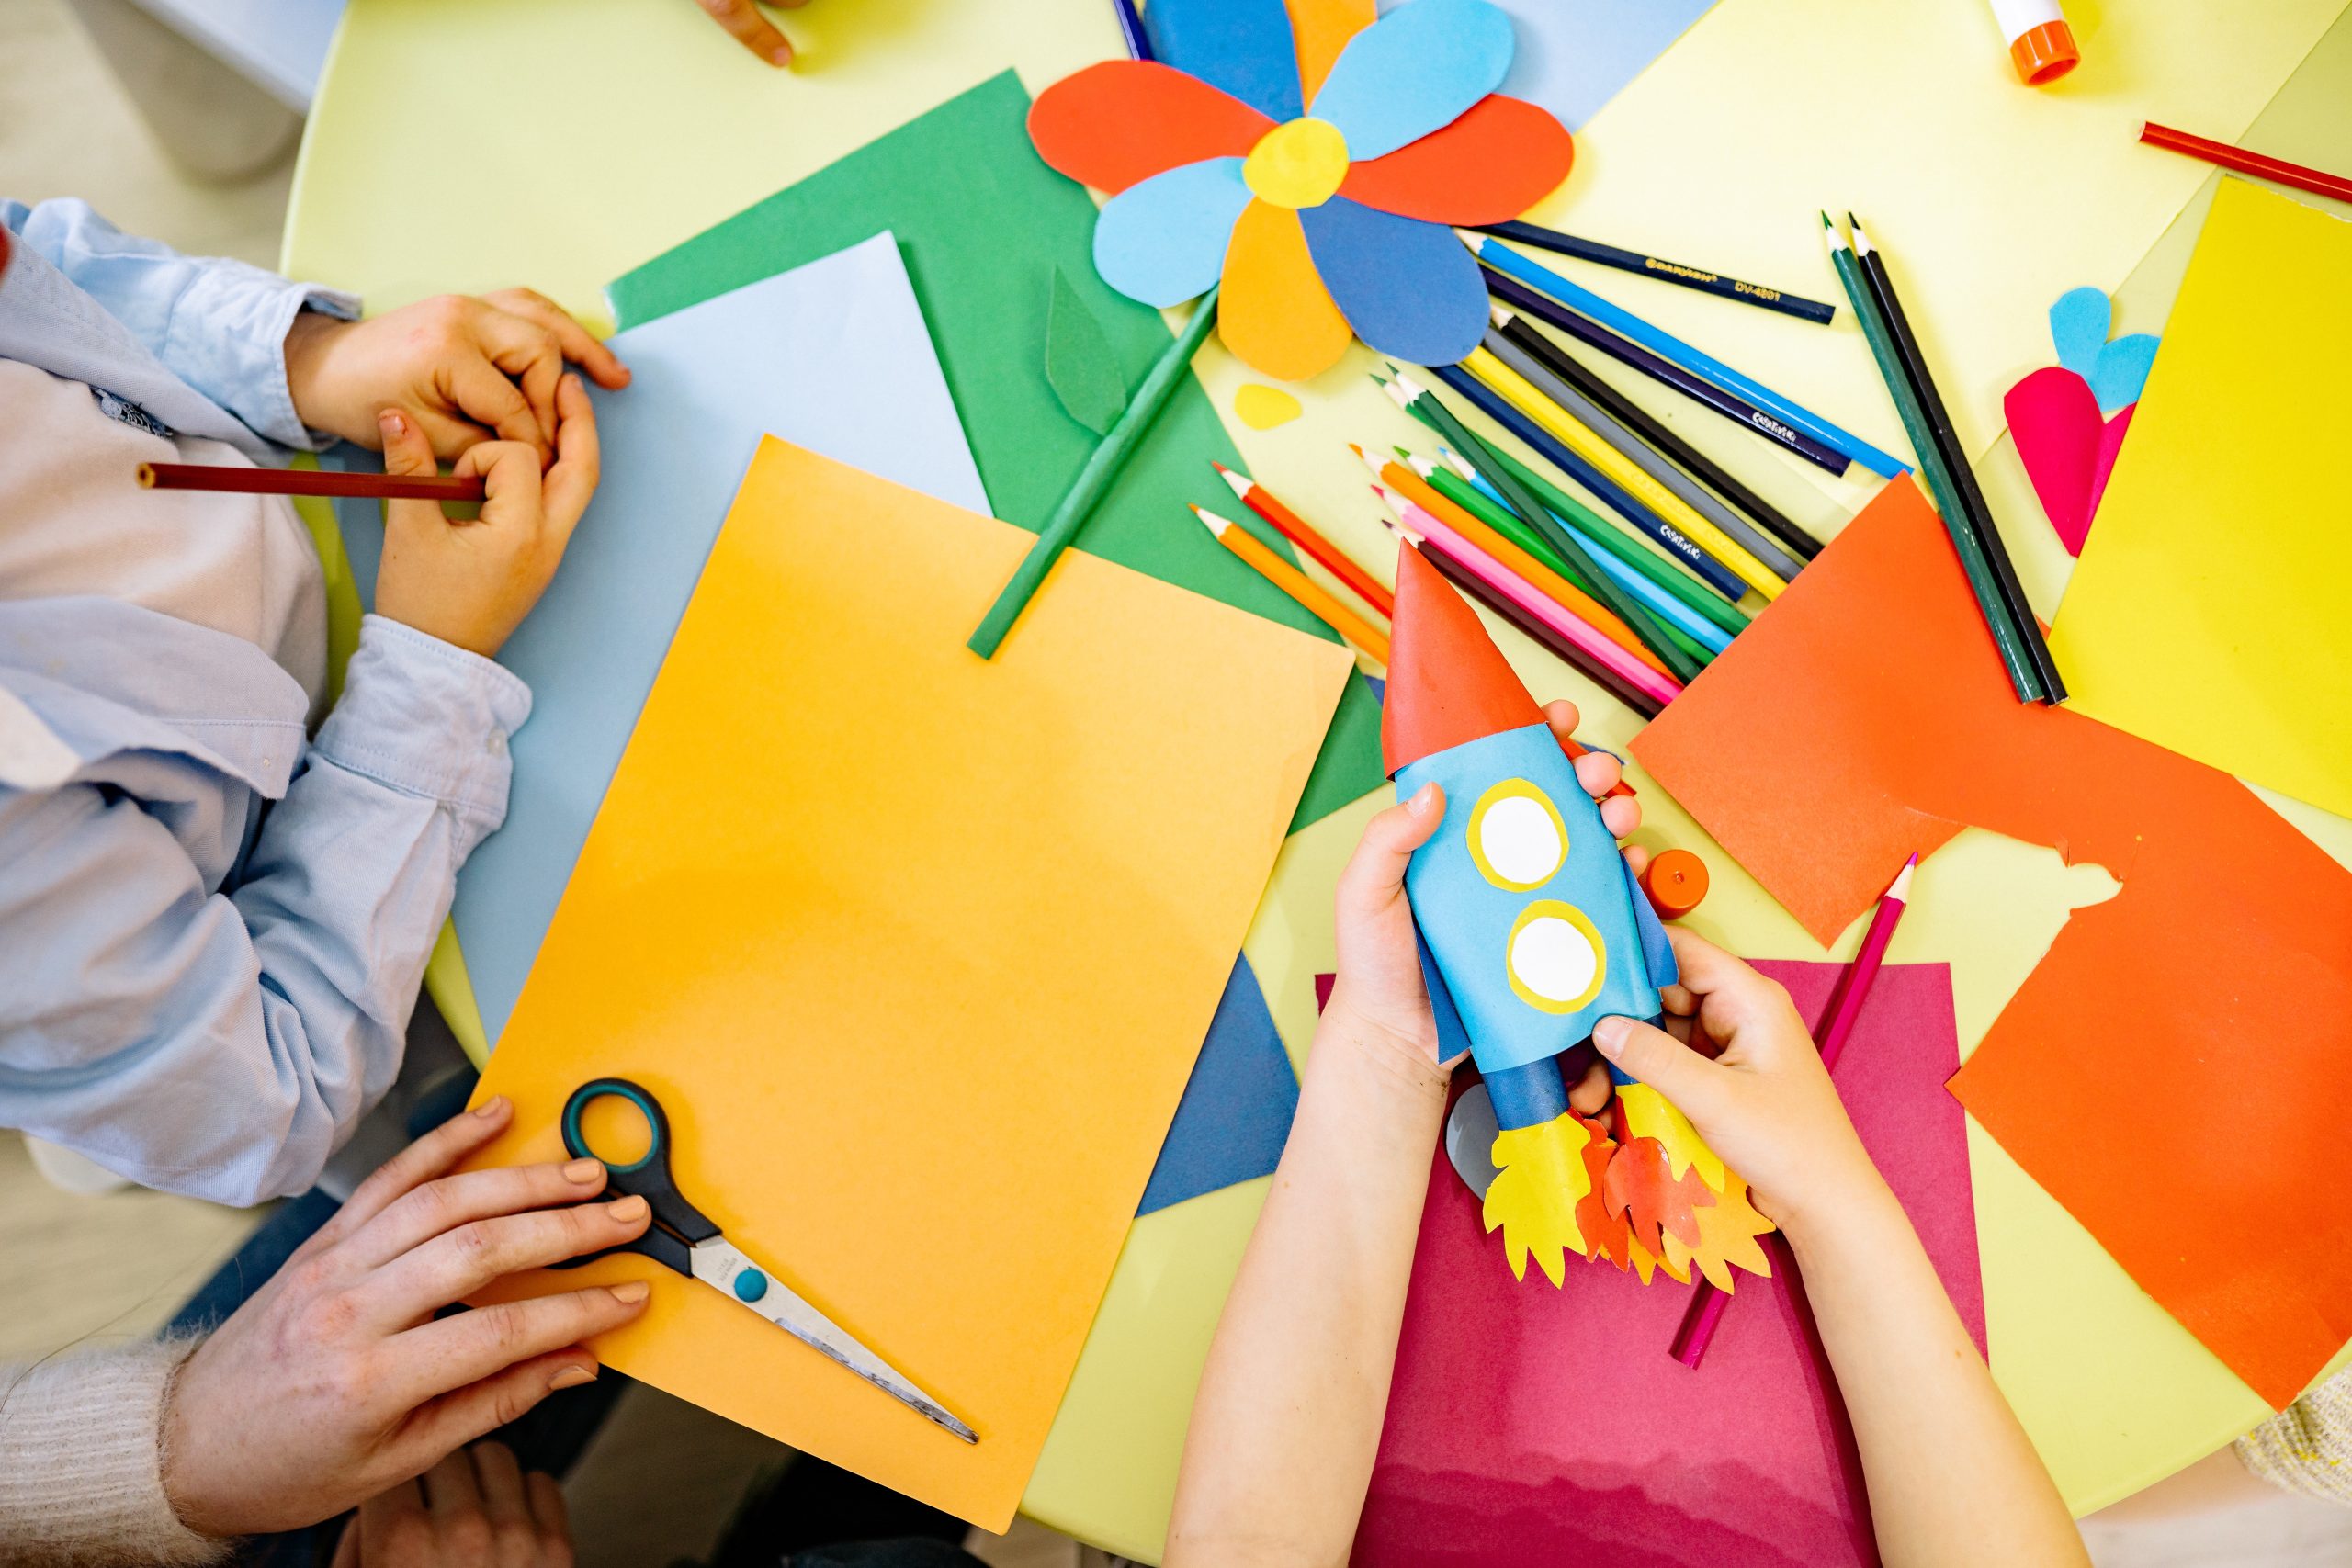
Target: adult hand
742, 19
471, 584
1379, 992
336, 1381
1764, 1102
475, 1509
467, 368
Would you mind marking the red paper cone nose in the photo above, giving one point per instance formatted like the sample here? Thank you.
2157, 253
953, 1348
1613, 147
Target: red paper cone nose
1447, 682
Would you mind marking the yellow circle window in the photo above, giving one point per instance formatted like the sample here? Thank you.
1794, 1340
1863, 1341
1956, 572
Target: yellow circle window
1517, 839
1556, 960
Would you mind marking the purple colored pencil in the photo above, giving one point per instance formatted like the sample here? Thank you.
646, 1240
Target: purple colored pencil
1707, 1303
1131, 28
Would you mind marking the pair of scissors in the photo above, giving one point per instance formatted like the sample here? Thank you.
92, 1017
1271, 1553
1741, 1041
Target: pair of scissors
683, 1238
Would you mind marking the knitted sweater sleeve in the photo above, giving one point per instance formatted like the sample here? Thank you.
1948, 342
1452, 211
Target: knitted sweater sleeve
2307, 1447
81, 1462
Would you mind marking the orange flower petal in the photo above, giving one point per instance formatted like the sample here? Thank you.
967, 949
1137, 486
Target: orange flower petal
1114, 124
1321, 28
1494, 163
1274, 314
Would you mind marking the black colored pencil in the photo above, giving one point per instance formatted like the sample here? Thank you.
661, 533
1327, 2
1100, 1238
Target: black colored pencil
1733, 407
1972, 495
1696, 278
1635, 418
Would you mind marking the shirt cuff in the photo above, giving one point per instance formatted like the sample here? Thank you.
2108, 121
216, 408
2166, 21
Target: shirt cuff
236, 318
429, 719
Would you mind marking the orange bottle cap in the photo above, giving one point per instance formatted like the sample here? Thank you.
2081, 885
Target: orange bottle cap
1676, 882
2043, 54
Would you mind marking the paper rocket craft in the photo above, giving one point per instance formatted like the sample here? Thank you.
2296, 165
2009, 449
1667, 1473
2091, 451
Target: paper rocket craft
1532, 930
1310, 159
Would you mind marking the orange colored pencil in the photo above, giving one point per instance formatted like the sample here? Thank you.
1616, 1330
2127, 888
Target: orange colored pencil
1550, 584
1296, 583
1294, 528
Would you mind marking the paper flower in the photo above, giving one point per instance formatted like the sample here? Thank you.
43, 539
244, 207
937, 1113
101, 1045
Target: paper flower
1311, 163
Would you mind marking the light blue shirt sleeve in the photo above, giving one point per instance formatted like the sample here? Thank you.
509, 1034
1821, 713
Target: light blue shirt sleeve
223, 1044
218, 324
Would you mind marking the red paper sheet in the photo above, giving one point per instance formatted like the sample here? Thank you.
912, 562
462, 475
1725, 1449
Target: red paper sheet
1532, 1426
2174, 1072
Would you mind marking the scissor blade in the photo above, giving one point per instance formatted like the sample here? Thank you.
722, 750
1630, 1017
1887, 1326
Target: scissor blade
718, 1263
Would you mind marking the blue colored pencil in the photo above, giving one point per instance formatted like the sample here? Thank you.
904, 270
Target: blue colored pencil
1647, 266
1739, 411
1702, 565
1698, 361
1131, 25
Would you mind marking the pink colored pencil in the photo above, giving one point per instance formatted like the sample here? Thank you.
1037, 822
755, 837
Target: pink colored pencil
1419, 520
1707, 1303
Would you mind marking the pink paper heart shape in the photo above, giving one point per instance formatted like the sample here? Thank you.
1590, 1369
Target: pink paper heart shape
2110, 444
2054, 421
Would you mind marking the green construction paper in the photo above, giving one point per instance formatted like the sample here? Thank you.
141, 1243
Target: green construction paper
984, 225
1080, 365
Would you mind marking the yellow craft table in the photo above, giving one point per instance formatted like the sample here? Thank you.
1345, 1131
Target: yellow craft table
470, 144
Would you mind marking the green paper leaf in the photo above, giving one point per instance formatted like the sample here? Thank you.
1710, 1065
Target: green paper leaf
1080, 365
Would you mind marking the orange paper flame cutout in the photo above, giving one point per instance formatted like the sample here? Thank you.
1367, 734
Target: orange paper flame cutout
1727, 1231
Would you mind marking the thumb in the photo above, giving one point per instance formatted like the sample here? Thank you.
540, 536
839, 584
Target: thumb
408, 454
1648, 1054
1376, 871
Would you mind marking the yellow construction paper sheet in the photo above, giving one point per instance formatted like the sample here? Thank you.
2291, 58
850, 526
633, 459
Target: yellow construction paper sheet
916, 949
2208, 612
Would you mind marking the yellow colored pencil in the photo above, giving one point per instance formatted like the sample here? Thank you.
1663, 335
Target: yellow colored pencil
1621, 471
1295, 584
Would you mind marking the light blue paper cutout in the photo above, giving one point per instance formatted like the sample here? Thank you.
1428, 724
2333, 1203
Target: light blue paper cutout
2121, 371
834, 355
1163, 240
2079, 326
1573, 56
1416, 69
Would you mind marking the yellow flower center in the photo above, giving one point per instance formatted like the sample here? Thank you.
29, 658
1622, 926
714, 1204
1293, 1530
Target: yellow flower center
1298, 165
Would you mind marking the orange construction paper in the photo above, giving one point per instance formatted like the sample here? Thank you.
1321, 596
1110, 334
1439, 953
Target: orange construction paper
1320, 28
871, 916
1500, 158
1863, 717
1121, 121
1274, 312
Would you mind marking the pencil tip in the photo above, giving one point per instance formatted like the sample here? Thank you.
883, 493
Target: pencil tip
1211, 521
1900, 889
1825, 220
1239, 484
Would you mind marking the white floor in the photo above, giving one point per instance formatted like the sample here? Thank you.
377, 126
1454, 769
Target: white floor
659, 1483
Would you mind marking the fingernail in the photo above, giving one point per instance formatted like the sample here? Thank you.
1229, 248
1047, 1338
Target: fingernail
1609, 1036
780, 57
570, 1377
630, 1292
584, 1170
392, 422
1423, 799
492, 1109
628, 1210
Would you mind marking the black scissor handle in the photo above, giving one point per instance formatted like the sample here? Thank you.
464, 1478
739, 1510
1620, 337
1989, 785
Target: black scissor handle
648, 1176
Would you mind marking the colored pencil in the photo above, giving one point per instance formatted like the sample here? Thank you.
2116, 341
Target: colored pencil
1309, 593
1665, 372
1665, 271
1665, 344
1109, 456
1485, 503
298, 482
1854, 990
1294, 528
1547, 445
1973, 562
1536, 631
2319, 181
1972, 495
1575, 597
1591, 528
1565, 411
1532, 600
1131, 29
1639, 420
1638, 620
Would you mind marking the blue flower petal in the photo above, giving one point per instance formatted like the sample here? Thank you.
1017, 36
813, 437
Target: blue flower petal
1410, 289
1242, 46
1418, 68
1163, 240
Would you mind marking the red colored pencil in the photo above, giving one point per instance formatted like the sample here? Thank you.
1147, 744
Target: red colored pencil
2319, 181
1294, 528
294, 481
1707, 1303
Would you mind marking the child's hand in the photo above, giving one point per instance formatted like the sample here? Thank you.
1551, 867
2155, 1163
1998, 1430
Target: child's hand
753, 31
475, 1509
1379, 989
465, 368
1764, 1102
471, 584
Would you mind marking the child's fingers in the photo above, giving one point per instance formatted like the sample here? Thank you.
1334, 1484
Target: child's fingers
1376, 873
1563, 716
750, 29
407, 455
1590, 1095
1621, 816
1692, 1084
480, 391
578, 458
1732, 993
1637, 859
578, 344
510, 478
1599, 773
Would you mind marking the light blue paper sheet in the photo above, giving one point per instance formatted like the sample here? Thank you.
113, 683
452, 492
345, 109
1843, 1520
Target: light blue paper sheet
1573, 56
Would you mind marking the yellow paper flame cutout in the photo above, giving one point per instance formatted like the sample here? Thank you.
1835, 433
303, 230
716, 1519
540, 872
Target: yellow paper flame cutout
1727, 1233
1532, 1199
1647, 1115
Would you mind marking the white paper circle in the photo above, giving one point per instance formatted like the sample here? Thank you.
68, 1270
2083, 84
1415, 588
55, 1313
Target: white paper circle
1519, 839
1554, 959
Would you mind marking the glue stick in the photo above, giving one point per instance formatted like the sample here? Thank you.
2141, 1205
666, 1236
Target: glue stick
2040, 44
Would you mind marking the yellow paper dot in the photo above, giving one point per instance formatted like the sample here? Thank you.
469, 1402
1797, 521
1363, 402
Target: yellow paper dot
1302, 163
1262, 408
